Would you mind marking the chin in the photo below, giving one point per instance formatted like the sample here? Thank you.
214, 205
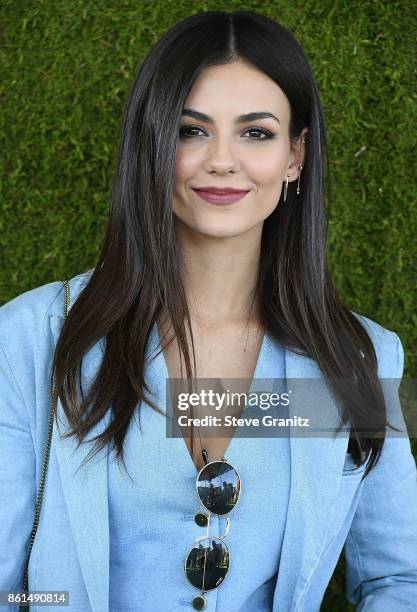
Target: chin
217, 230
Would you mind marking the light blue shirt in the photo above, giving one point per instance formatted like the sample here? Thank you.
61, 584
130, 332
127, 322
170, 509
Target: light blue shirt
153, 528
330, 509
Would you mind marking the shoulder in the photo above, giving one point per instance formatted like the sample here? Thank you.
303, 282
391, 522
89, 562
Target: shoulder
388, 348
27, 315
29, 326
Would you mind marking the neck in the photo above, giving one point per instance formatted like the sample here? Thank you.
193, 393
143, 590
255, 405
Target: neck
221, 276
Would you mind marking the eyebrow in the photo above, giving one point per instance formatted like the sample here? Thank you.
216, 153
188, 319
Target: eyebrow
190, 112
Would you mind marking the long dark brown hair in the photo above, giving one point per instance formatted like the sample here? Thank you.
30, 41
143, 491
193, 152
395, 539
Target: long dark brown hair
139, 271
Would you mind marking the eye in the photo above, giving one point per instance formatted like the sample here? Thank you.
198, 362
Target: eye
190, 131
185, 129
266, 133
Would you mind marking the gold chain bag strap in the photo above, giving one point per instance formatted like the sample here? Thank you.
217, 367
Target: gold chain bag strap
24, 608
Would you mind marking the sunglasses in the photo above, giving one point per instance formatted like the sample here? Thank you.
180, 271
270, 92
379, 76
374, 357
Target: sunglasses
207, 564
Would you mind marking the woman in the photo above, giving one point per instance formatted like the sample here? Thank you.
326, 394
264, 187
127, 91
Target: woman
224, 101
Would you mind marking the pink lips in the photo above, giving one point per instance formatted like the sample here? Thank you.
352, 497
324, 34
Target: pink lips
220, 198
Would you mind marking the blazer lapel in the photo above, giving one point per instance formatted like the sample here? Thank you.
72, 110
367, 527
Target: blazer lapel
316, 469
85, 492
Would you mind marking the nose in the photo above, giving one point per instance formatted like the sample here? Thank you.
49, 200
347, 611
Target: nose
221, 156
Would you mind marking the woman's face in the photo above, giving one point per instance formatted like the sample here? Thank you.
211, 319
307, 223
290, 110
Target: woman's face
218, 151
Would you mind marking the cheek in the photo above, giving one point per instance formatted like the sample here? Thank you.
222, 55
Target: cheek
268, 167
186, 165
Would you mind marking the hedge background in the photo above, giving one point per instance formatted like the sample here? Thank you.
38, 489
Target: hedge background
66, 69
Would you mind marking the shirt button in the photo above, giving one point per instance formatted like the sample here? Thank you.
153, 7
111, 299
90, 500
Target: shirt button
201, 519
199, 602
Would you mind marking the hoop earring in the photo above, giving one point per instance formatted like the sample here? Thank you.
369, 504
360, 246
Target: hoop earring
286, 187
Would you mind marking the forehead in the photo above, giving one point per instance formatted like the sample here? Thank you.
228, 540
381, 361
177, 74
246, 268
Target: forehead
236, 88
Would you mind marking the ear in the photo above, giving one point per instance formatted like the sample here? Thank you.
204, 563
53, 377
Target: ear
297, 156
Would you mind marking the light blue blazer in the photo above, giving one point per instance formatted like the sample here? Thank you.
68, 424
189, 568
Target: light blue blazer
329, 507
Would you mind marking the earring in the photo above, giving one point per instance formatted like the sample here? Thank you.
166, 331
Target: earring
300, 166
299, 174
286, 187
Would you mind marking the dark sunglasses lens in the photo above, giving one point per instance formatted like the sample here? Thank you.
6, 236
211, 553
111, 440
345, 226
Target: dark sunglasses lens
207, 564
218, 487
